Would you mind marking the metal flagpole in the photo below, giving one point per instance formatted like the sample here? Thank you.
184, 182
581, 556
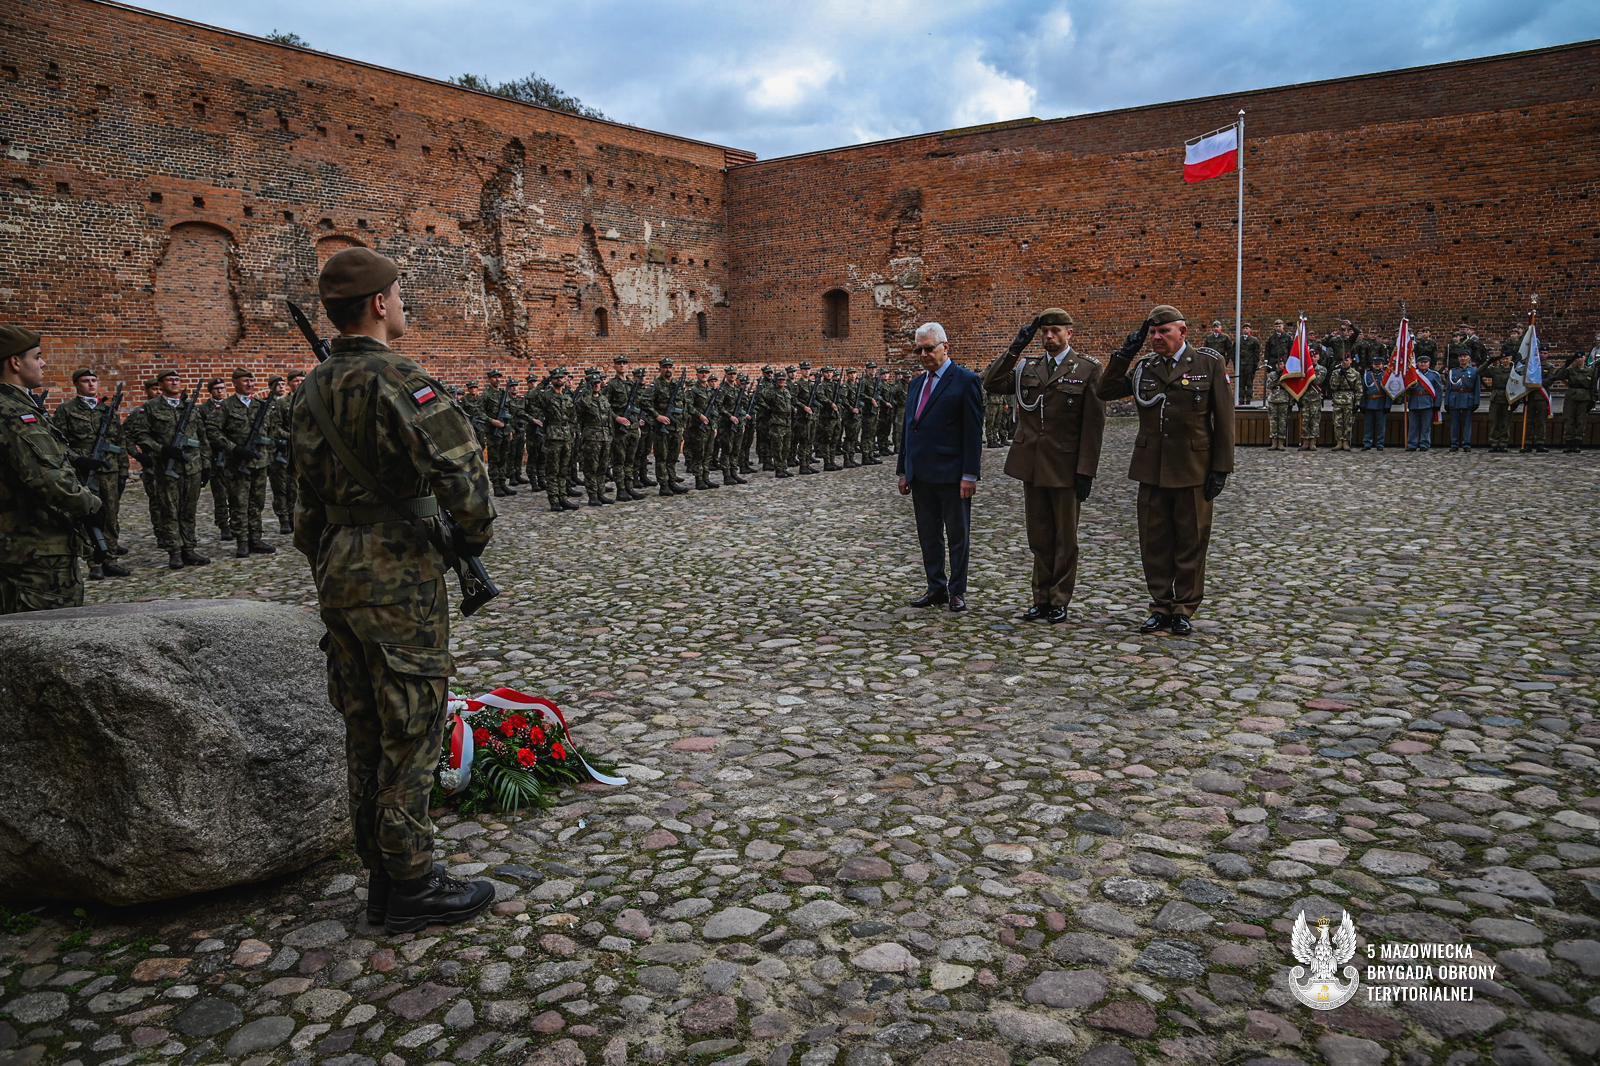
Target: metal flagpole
1238, 277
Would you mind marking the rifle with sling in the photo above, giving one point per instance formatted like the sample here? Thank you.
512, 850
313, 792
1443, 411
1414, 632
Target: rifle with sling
251, 448
102, 449
477, 587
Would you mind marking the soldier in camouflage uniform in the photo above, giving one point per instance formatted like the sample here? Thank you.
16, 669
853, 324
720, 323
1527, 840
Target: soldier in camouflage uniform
372, 532
1249, 362
644, 425
211, 412
802, 420
1279, 403
776, 405
623, 396
763, 420
517, 440
663, 404
189, 456
897, 413
554, 413
530, 412
731, 426
132, 432
277, 448
827, 417
699, 427
850, 417
870, 406
496, 400
1311, 406
1582, 374
78, 421
1279, 342
472, 407
1344, 389
595, 424
1494, 378
885, 411
247, 461
42, 502
992, 403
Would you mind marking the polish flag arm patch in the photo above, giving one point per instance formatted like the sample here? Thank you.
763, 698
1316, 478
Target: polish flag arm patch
28, 420
424, 396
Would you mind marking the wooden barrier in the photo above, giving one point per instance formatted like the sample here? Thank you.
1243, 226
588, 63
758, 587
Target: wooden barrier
1251, 430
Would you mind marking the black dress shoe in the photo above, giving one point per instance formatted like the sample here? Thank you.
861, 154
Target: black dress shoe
1035, 613
931, 598
1156, 622
1056, 616
1181, 627
958, 604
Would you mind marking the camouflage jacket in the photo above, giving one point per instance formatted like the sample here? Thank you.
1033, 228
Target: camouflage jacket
776, 403
472, 407
41, 499
159, 427
1344, 386
277, 430
555, 410
415, 441
491, 409
799, 392
80, 425
1249, 350
617, 391
233, 433
595, 419
1278, 347
699, 404
210, 411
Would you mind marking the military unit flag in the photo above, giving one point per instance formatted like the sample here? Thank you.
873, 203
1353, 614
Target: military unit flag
1300, 368
1403, 371
1528, 374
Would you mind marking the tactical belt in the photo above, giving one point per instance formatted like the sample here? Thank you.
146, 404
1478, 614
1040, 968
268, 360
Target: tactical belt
370, 514
391, 509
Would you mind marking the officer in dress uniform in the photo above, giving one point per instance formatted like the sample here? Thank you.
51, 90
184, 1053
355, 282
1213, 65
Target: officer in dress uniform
1056, 454
1182, 457
1463, 390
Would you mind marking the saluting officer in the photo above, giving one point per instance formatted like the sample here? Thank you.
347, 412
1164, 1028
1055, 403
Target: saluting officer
379, 448
1181, 458
41, 499
1056, 453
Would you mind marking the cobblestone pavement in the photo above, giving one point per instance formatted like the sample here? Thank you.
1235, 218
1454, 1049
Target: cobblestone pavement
860, 833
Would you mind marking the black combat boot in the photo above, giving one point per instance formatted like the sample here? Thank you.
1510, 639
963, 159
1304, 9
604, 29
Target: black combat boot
634, 494
783, 472
259, 548
111, 569
378, 887
286, 525
193, 558
646, 482
596, 500
243, 550
226, 533
174, 560
573, 492
435, 898
568, 505
558, 505
96, 573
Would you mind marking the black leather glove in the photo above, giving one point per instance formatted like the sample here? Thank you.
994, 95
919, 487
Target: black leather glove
1214, 485
462, 547
1084, 485
1134, 341
1024, 338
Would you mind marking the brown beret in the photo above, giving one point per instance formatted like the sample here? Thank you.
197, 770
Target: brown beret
81, 373
14, 340
155, 383
213, 383
355, 272
242, 372
164, 375
1161, 314
1053, 316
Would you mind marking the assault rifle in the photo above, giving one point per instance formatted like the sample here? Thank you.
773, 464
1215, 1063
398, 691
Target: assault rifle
630, 410
503, 415
477, 587
99, 457
251, 448
674, 411
180, 433
811, 397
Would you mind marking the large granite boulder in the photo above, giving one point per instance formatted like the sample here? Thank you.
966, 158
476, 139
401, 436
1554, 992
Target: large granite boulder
156, 750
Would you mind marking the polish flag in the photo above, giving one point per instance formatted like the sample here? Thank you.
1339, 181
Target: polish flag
1403, 373
1300, 368
1211, 156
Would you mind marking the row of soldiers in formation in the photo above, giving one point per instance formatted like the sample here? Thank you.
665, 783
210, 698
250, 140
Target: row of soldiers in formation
237, 444
568, 429
1433, 397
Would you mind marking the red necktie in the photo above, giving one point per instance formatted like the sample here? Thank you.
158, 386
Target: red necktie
927, 391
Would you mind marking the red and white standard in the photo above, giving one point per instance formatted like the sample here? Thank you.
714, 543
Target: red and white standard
1211, 156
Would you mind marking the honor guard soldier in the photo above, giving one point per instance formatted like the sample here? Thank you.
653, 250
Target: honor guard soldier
211, 413
1249, 360
1344, 389
42, 502
1375, 405
1311, 402
78, 420
1463, 389
379, 450
1056, 454
133, 432
1280, 402
1182, 457
803, 420
623, 396
1421, 401
556, 416
595, 423
664, 405
777, 406
1582, 374
497, 402
242, 437
277, 449
699, 428
181, 454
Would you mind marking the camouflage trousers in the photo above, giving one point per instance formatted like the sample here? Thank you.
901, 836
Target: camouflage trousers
557, 457
282, 491
1344, 420
778, 444
747, 440
885, 421
596, 457
1278, 420
897, 428
247, 495
388, 671
830, 434
518, 444
697, 444
1499, 423
849, 435
668, 446
43, 583
1310, 420
535, 466
157, 503
641, 454
802, 441
1574, 417
180, 499
869, 438
764, 443
624, 446
499, 458
220, 509
105, 487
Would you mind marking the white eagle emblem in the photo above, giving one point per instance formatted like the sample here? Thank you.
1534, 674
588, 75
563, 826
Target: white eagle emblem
1321, 988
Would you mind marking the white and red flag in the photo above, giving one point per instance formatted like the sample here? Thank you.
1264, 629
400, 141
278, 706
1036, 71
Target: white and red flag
1300, 367
1403, 371
1211, 156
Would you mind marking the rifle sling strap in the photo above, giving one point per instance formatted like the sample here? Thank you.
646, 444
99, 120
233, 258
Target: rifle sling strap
389, 509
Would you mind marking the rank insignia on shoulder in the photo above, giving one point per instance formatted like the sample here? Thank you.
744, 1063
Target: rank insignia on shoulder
424, 396
28, 420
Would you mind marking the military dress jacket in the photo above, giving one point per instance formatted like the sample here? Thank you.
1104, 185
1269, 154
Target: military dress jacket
41, 498
1185, 415
1463, 388
1374, 397
1060, 421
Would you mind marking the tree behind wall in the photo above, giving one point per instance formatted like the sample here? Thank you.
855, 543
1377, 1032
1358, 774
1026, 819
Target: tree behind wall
530, 90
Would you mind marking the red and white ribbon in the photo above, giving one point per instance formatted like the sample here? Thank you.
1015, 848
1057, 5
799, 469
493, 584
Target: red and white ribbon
458, 772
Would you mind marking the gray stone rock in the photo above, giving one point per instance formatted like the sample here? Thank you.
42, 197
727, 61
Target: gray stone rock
1068, 989
263, 1034
208, 1016
208, 758
734, 922
1171, 958
1025, 1027
37, 1007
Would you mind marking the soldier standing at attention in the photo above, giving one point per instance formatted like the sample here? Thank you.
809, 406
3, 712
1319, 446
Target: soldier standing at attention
211, 413
804, 421
1279, 405
1249, 360
189, 455
499, 430
625, 441
1220, 343
78, 421
595, 423
370, 528
1056, 454
646, 430
276, 447
777, 404
133, 431
247, 463
849, 417
730, 426
1425, 345
1420, 405
517, 439
558, 418
700, 424
1375, 405
41, 499
1279, 341
664, 406
1344, 389
472, 407
886, 409
869, 417
1494, 377
1311, 406
1181, 458
1582, 374
1463, 390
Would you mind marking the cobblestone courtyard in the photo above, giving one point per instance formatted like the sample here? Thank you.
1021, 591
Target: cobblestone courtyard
859, 833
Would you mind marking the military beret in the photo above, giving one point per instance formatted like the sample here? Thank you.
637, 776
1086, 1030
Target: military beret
1053, 316
494, 374
275, 379
164, 375
81, 373
766, 369
155, 383
804, 365
1161, 314
665, 362
14, 340
240, 372
702, 370
593, 372
620, 359
355, 272
533, 379
871, 365
213, 383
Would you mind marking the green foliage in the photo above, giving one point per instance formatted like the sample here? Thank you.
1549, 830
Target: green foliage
289, 38
15, 923
530, 90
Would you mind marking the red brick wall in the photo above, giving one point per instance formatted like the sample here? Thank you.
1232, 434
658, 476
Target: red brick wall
1461, 189
163, 186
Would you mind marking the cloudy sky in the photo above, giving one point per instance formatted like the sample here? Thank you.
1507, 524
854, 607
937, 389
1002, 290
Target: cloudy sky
784, 77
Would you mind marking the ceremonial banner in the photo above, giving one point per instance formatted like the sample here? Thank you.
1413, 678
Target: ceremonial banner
1528, 374
1300, 368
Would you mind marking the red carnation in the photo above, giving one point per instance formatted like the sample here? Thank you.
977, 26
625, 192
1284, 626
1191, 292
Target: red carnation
536, 735
557, 751
527, 758
509, 727
480, 736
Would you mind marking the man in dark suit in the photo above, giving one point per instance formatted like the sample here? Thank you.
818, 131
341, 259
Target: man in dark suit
1181, 458
938, 466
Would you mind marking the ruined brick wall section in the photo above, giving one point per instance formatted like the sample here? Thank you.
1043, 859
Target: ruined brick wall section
164, 186
1462, 189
